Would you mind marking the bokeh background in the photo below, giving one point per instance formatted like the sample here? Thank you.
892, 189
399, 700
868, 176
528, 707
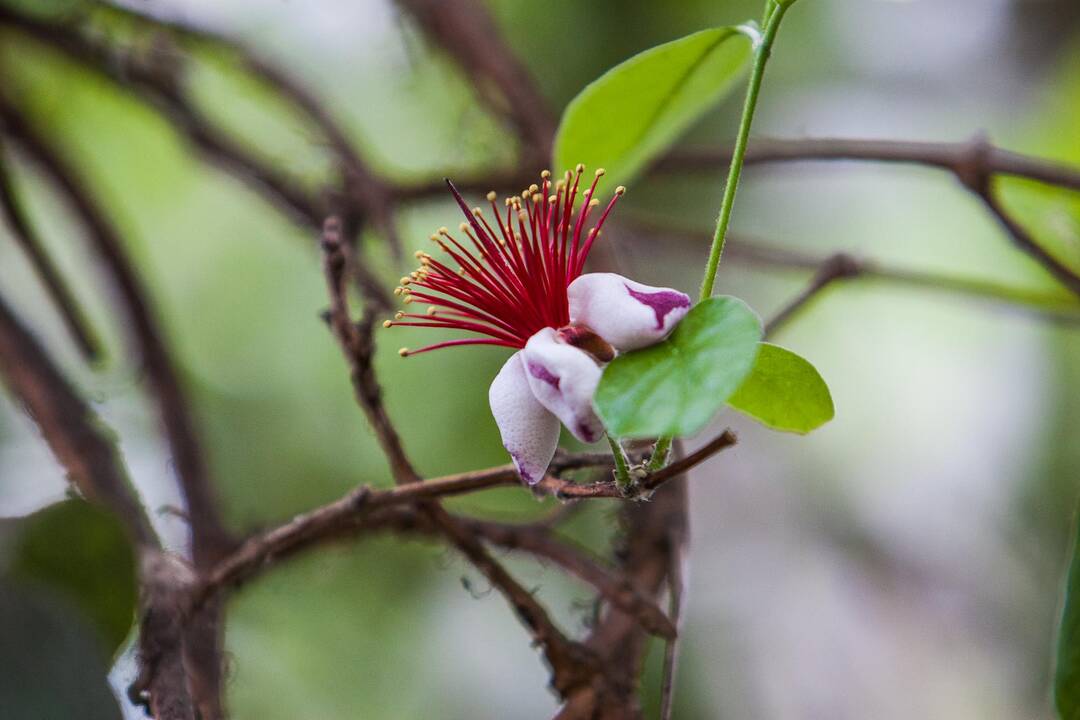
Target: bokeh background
904, 561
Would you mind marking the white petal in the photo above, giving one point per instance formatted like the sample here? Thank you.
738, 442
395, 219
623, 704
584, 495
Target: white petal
529, 432
627, 314
564, 380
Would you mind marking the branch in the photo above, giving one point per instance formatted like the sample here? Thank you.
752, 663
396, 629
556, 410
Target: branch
542, 542
78, 440
972, 163
949, 156
1044, 306
358, 345
74, 320
155, 82
73, 432
209, 537
349, 512
468, 33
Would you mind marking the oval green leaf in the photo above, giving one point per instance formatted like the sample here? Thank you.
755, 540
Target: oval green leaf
633, 112
81, 553
675, 387
784, 392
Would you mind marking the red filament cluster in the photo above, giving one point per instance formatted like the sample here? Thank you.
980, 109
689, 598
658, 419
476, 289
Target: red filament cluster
511, 277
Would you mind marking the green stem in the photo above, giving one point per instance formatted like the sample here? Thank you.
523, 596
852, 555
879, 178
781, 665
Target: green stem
622, 465
660, 453
774, 13
757, 73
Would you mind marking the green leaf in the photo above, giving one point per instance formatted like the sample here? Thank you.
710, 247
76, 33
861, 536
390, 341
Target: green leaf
81, 553
675, 387
633, 112
784, 391
1067, 672
53, 663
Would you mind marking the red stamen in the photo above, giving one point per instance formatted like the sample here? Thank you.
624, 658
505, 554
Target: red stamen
513, 281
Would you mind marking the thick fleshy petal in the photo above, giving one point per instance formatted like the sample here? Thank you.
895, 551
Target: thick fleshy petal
529, 432
564, 380
627, 314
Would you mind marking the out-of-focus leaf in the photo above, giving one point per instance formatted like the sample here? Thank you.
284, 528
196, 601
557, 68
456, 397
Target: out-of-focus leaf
80, 552
784, 391
634, 111
52, 664
1067, 672
675, 387
46, 8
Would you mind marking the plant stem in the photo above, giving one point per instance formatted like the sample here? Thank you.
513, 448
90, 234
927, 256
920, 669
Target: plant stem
761, 56
622, 465
774, 14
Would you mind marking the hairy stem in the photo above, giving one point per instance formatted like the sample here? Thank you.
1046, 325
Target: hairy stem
622, 465
774, 14
761, 56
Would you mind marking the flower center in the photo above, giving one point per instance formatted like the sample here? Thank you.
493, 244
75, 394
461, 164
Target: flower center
511, 272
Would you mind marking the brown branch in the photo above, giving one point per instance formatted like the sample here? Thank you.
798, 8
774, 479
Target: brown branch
1044, 306
154, 80
75, 322
973, 163
80, 443
468, 33
358, 345
73, 432
949, 156
836, 267
209, 539
541, 542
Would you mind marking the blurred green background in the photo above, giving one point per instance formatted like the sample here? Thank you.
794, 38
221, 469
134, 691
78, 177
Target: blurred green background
904, 561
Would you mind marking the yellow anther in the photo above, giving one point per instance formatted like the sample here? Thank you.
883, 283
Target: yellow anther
524, 216
545, 174
387, 323
461, 272
404, 280
413, 275
398, 315
620, 190
431, 310
507, 202
419, 254
476, 212
525, 194
408, 299
403, 352
491, 196
444, 230
533, 188
580, 167
559, 184
600, 172
397, 290
463, 227
594, 202
536, 198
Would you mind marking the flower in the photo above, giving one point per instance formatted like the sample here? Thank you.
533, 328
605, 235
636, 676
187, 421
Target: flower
519, 284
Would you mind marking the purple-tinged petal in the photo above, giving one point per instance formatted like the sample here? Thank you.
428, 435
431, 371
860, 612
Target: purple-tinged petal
529, 432
627, 314
564, 380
